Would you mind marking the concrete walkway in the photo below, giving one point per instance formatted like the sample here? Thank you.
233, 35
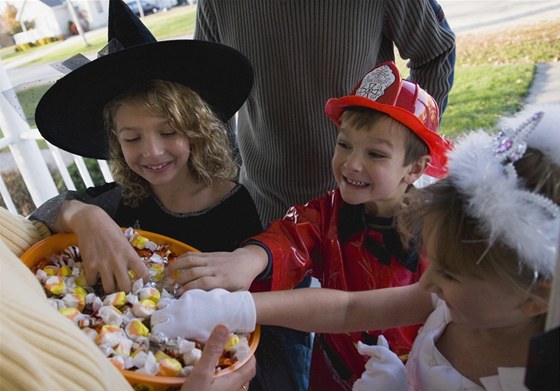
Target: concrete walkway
546, 85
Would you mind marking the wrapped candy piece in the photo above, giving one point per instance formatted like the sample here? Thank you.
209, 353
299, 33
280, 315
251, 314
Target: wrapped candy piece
149, 293
150, 367
72, 313
110, 335
139, 241
151, 246
241, 350
110, 315
94, 302
141, 344
135, 328
128, 316
129, 233
136, 286
80, 279
123, 348
191, 354
117, 299
168, 366
65, 271
156, 271
138, 358
80, 291
55, 285
76, 270
51, 270
144, 308
118, 361
232, 341
132, 298
88, 321
157, 258
74, 300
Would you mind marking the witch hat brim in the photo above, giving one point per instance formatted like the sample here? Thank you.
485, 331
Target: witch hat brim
69, 115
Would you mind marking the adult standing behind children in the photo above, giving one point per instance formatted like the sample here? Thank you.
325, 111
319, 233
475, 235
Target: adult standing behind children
303, 54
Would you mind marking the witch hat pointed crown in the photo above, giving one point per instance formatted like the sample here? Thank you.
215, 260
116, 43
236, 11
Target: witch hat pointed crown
69, 115
126, 27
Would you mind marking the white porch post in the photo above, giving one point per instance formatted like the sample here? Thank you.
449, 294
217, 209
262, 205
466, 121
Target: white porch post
26, 153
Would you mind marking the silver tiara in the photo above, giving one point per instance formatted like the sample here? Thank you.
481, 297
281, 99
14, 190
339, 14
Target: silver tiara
481, 166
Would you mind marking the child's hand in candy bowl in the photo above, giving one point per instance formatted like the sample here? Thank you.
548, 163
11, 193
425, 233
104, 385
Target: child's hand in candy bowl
197, 312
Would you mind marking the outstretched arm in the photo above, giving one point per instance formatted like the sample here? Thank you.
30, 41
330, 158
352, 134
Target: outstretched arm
311, 309
334, 311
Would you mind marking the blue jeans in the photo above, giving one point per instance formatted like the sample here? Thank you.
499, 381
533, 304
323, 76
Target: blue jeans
283, 358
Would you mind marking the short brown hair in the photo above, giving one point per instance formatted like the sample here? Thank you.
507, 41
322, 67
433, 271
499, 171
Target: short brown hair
363, 118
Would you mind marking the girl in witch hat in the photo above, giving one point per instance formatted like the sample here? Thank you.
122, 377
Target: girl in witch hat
156, 112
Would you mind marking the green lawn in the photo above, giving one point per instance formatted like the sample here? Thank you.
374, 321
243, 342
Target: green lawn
493, 73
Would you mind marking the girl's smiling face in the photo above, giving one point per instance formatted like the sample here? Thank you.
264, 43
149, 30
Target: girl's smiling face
151, 147
368, 165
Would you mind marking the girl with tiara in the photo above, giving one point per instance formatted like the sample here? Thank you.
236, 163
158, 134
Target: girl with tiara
489, 232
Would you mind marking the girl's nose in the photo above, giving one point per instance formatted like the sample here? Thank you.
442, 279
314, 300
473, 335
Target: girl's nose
151, 147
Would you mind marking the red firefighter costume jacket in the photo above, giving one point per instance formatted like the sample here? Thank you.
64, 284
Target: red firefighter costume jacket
346, 250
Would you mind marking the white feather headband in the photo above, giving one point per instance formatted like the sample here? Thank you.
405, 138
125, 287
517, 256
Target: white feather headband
481, 167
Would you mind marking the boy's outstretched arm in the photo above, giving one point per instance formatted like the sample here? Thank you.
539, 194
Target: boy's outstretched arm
233, 271
105, 251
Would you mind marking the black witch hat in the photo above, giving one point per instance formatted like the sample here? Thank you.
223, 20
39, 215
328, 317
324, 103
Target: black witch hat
69, 115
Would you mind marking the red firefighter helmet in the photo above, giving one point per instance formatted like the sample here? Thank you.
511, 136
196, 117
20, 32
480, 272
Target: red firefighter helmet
384, 90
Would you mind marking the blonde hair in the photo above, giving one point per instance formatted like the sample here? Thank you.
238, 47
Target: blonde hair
188, 114
458, 242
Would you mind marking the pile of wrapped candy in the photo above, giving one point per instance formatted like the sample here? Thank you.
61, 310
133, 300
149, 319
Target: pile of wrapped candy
119, 322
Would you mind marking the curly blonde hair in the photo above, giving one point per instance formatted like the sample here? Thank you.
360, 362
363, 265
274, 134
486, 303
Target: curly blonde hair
211, 158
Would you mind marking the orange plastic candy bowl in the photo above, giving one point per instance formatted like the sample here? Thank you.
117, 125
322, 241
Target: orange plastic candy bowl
58, 242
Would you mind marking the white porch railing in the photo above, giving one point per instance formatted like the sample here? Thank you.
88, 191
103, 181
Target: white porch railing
21, 141
44, 182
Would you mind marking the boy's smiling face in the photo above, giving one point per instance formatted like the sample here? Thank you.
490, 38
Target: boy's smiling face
368, 165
